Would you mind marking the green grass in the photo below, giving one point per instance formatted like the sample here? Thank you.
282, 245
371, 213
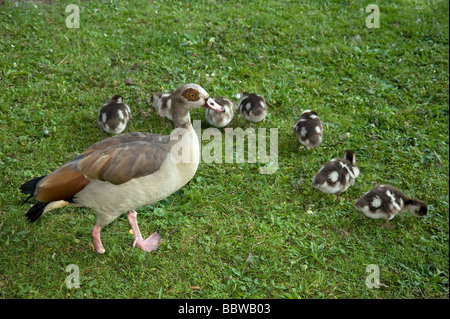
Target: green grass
231, 231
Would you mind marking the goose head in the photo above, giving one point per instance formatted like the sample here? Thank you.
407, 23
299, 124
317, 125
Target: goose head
117, 98
349, 155
191, 96
417, 207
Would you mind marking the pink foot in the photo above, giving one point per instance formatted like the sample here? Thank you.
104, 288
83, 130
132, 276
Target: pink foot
151, 243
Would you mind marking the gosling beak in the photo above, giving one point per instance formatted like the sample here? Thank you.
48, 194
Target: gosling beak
212, 105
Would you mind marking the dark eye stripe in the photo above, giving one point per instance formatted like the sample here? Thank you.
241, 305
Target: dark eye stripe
191, 94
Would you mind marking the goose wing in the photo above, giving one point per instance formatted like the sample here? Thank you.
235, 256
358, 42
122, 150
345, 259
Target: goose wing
116, 164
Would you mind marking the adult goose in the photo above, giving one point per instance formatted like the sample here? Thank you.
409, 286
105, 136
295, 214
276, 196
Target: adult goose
127, 171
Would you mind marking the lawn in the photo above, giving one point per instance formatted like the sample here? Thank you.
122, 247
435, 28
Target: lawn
232, 232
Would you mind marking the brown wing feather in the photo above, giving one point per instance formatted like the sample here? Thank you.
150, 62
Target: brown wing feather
120, 163
61, 184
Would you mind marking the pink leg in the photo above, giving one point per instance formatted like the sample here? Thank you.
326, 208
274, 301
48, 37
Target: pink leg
151, 243
96, 239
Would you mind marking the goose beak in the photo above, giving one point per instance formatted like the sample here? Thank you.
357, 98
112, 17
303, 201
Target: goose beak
212, 105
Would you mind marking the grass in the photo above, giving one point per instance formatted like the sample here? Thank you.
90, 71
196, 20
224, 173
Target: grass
232, 232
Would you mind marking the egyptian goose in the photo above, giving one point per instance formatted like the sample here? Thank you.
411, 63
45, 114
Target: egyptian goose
385, 201
220, 119
337, 175
114, 115
309, 129
252, 107
127, 171
162, 104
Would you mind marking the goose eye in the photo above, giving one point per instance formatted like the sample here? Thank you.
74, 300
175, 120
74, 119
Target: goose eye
191, 94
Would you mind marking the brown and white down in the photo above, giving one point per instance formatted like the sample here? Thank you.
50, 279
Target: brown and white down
162, 103
252, 106
337, 175
220, 119
127, 171
385, 201
309, 129
114, 115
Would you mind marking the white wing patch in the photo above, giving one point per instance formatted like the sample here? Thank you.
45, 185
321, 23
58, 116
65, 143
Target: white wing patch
334, 176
